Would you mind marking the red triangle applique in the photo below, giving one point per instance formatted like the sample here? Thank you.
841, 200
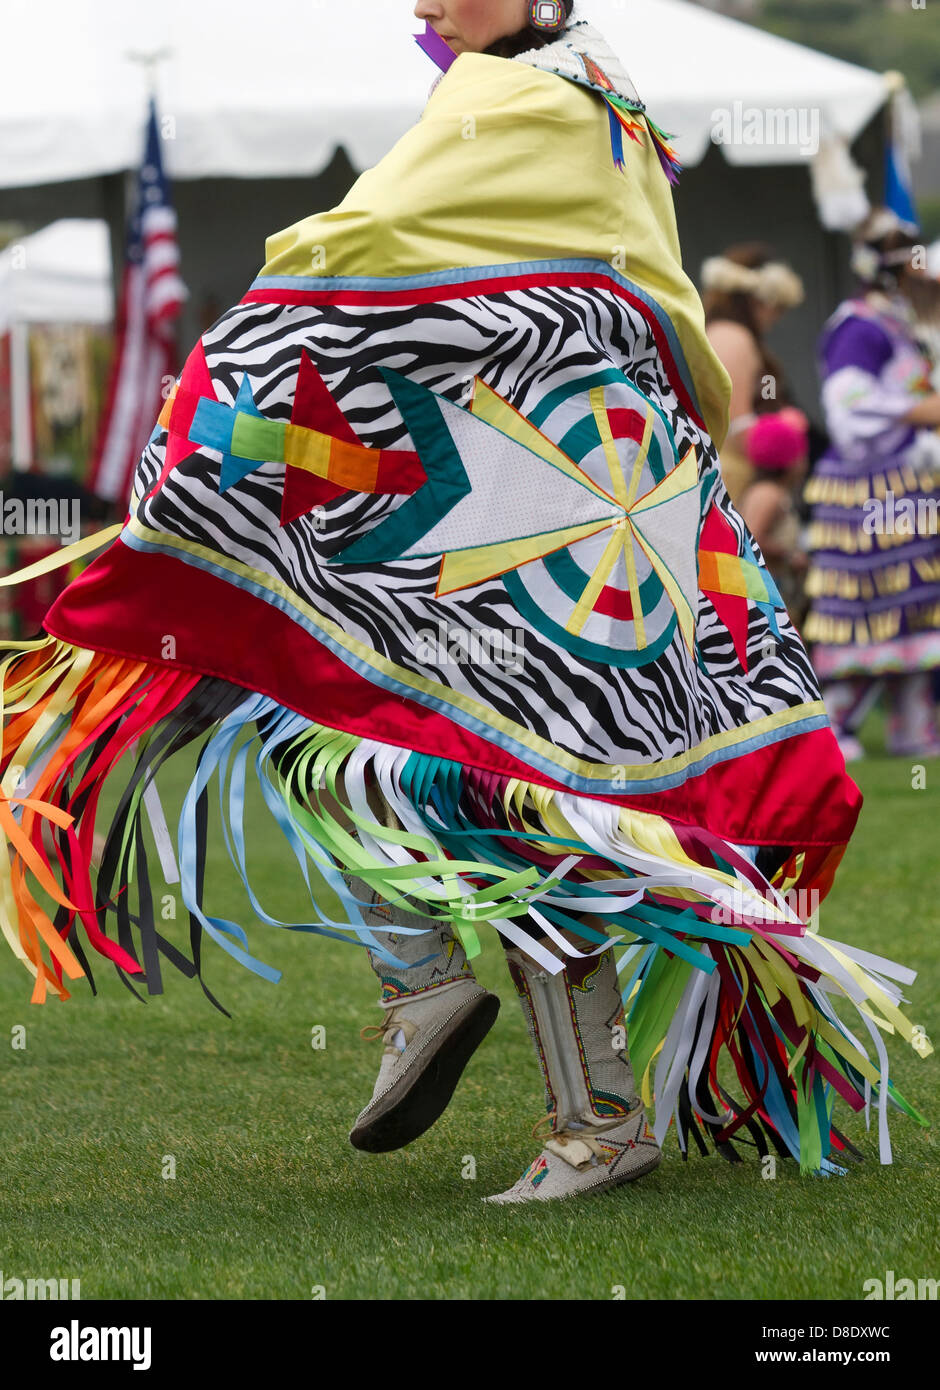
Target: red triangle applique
195, 382
595, 74
314, 406
303, 491
314, 409
718, 535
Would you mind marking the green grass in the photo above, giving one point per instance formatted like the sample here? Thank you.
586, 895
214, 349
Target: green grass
270, 1201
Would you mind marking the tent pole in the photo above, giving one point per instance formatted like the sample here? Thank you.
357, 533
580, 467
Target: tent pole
148, 63
20, 403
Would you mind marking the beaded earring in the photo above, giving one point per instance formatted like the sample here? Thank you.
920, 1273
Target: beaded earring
547, 14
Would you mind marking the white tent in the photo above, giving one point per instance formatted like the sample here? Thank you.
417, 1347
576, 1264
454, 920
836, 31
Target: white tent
249, 91
61, 274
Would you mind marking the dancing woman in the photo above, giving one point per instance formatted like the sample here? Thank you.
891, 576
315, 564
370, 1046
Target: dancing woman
432, 529
875, 575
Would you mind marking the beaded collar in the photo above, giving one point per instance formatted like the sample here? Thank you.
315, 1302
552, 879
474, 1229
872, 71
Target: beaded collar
583, 55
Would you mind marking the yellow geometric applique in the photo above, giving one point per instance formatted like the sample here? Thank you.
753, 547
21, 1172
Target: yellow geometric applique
470, 565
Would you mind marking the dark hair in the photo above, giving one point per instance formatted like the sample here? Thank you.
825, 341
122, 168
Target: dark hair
783, 477
737, 306
896, 239
529, 37
923, 293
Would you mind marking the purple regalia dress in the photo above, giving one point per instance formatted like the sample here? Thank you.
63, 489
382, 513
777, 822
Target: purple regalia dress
875, 576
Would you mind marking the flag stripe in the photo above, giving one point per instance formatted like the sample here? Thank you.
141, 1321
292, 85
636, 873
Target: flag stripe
152, 295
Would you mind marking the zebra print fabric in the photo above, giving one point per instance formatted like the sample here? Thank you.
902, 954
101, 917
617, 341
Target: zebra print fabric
525, 344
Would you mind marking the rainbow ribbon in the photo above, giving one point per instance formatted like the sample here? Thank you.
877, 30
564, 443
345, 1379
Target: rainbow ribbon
623, 118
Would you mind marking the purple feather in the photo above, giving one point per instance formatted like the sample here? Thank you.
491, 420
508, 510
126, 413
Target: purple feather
435, 47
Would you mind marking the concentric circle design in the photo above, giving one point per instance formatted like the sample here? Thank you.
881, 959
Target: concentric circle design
611, 597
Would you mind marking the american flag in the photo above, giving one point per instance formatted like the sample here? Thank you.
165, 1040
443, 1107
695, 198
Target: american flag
152, 294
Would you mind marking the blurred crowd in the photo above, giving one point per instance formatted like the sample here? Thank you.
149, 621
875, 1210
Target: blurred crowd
845, 509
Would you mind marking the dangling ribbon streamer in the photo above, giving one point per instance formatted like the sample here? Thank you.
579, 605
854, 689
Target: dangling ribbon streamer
667, 155
747, 987
68, 555
616, 137
435, 47
624, 117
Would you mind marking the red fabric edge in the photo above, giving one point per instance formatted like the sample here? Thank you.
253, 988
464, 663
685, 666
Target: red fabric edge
794, 792
434, 294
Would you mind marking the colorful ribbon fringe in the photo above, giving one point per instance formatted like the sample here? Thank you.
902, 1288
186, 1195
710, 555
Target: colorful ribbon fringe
624, 117
747, 981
